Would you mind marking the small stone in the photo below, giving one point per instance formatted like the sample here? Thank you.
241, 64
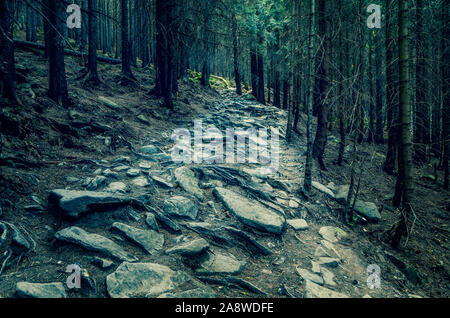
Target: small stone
93, 242
293, 204
72, 179
315, 267
95, 182
121, 168
117, 187
328, 277
192, 248
279, 261
145, 165
307, 275
133, 173
332, 234
150, 220
143, 119
150, 149
188, 181
110, 174
320, 252
181, 207
298, 224
162, 182
141, 182
143, 280
149, 240
218, 264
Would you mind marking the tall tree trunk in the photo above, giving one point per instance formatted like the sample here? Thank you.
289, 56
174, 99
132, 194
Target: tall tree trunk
254, 71
92, 76
445, 67
165, 55
421, 135
237, 77
379, 137
84, 25
126, 50
371, 133
389, 164
311, 59
57, 70
340, 94
320, 139
260, 60
7, 66
406, 149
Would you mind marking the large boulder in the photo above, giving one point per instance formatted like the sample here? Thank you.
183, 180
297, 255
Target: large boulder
251, 212
73, 203
93, 242
143, 280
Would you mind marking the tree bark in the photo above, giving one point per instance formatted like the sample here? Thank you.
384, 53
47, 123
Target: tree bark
126, 50
7, 64
57, 71
320, 140
406, 149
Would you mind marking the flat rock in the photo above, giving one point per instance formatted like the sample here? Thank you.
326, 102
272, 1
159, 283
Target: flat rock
162, 182
192, 248
315, 291
150, 149
328, 277
95, 182
307, 275
368, 210
117, 187
35, 290
93, 242
181, 207
149, 240
150, 220
323, 189
250, 212
331, 233
141, 182
143, 280
188, 181
133, 172
220, 264
74, 203
298, 224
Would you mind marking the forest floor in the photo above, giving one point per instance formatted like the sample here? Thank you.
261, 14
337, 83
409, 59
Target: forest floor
97, 146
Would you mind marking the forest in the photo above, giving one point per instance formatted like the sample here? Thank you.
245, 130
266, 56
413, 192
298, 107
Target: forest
94, 91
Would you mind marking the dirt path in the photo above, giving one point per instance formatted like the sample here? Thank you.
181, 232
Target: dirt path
200, 230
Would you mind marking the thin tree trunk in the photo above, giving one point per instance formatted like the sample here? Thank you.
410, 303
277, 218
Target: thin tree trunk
311, 59
126, 52
7, 65
406, 149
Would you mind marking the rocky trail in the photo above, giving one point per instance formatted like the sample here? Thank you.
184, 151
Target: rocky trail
144, 226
